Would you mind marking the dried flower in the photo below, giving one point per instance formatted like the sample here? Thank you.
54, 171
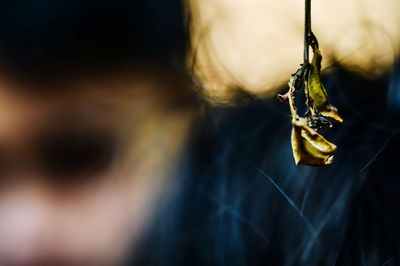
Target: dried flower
309, 147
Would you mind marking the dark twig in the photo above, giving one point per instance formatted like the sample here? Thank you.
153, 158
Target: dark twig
307, 31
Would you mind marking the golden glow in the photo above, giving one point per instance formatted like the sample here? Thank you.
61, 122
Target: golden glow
257, 44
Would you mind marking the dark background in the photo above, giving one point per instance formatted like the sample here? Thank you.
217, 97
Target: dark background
242, 201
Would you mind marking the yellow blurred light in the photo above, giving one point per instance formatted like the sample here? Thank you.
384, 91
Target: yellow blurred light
257, 44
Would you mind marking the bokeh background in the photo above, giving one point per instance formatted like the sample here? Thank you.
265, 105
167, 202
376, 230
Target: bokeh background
237, 197
244, 202
257, 44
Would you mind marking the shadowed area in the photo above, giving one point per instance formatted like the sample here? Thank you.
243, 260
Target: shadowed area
244, 202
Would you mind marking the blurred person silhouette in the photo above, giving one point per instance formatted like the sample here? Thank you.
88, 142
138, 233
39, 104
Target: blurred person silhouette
95, 108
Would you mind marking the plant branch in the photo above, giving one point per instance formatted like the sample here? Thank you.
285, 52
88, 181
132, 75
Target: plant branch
307, 30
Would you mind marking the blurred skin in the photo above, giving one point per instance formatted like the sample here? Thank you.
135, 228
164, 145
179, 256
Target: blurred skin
90, 212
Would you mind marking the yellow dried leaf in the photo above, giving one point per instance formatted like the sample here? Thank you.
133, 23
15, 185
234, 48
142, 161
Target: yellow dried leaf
316, 93
309, 147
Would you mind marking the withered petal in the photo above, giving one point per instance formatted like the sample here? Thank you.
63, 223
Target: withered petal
331, 111
309, 147
316, 92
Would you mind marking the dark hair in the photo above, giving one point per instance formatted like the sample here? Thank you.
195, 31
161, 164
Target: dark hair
54, 37
244, 202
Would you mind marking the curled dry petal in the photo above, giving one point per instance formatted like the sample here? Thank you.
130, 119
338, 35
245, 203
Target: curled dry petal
317, 96
331, 111
309, 147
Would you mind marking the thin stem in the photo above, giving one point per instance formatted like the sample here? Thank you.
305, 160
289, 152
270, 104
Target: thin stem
307, 30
